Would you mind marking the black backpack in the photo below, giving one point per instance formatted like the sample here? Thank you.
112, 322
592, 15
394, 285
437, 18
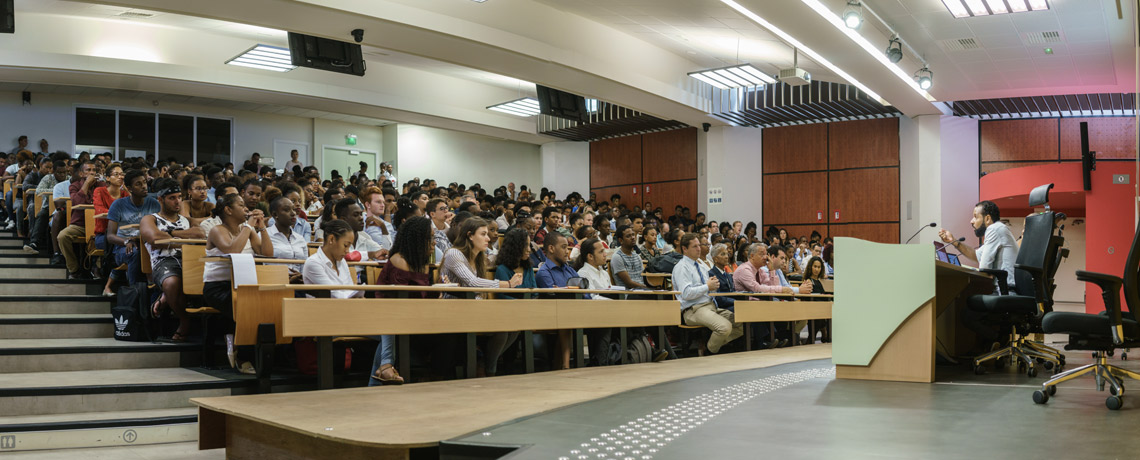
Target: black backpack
131, 314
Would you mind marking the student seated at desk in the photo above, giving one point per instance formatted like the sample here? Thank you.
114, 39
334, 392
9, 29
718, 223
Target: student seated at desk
697, 308
195, 206
514, 259
720, 257
625, 263
555, 272
814, 273
241, 232
223, 189
80, 190
129, 212
166, 260
287, 243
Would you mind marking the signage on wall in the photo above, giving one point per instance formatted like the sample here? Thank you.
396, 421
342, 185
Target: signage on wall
819, 216
350, 139
635, 190
646, 189
716, 195
837, 215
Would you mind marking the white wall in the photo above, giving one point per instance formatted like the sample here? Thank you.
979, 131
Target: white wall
566, 167
451, 156
333, 133
959, 141
52, 117
732, 159
920, 190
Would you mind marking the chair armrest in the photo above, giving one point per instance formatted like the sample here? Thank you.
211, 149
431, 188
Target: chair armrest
1002, 279
1110, 291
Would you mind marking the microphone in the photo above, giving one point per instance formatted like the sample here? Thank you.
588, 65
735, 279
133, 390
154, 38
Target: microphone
946, 247
932, 224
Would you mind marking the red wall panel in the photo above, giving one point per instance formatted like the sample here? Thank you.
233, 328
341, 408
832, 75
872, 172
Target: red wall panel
1110, 226
1018, 140
879, 233
796, 231
864, 195
628, 197
794, 198
863, 143
990, 168
669, 155
668, 195
1109, 137
615, 161
795, 148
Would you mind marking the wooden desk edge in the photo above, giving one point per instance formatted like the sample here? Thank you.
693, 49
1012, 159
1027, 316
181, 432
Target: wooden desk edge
204, 405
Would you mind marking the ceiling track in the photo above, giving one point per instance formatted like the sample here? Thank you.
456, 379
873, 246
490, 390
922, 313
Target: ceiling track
781, 104
1068, 105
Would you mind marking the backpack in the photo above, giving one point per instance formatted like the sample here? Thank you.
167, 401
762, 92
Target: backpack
639, 349
131, 314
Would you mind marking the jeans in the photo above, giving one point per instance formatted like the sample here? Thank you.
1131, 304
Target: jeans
383, 355
37, 225
133, 261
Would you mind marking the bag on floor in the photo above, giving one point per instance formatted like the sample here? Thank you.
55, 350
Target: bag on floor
306, 350
132, 316
639, 350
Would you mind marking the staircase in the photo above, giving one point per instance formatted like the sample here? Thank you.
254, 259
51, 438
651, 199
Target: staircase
66, 383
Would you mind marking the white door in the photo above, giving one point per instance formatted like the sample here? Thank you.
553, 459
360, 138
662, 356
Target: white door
282, 151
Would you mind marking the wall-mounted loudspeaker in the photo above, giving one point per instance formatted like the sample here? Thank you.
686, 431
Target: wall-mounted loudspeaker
7, 16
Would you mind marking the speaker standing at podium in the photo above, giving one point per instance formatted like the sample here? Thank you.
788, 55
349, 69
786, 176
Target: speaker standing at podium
998, 252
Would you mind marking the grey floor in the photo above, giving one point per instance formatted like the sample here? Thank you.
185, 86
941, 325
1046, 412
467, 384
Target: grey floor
800, 411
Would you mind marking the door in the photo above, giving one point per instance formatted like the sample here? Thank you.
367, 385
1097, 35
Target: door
282, 153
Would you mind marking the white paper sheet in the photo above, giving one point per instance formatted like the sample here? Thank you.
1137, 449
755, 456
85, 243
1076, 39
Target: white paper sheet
245, 272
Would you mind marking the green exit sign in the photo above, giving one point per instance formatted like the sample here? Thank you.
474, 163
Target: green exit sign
350, 139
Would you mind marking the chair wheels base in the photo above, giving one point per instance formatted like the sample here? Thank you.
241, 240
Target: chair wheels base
979, 369
1052, 390
1114, 402
1032, 372
1040, 397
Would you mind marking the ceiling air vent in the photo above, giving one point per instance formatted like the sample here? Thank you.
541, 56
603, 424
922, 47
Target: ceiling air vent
1037, 38
959, 44
135, 15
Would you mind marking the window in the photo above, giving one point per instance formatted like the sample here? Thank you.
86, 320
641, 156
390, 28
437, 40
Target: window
159, 136
176, 138
214, 140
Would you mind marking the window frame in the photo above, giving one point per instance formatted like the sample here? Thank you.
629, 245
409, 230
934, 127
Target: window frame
157, 116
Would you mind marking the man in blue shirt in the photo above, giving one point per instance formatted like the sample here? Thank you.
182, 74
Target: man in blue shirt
555, 272
697, 308
130, 212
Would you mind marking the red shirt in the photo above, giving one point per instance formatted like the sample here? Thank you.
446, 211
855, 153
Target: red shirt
78, 197
102, 203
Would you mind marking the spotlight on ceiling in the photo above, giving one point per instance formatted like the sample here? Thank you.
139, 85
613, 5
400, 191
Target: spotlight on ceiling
853, 14
925, 78
894, 50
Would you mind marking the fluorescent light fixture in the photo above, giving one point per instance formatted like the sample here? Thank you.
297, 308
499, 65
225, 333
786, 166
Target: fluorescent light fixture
997, 6
525, 107
737, 76
265, 57
871, 49
968, 8
810, 52
956, 8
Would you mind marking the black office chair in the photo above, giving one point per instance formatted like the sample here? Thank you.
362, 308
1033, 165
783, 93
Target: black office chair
1020, 312
1101, 333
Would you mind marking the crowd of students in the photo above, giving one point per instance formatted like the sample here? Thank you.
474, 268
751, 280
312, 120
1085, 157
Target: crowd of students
547, 241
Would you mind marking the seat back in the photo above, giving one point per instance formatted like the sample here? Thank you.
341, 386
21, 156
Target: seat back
1036, 258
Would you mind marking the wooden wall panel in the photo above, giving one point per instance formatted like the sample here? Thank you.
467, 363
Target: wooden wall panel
1109, 137
1019, 140
879, 233
628, 198
795, 148
864, 195
668, 195
794, 198
669, 155
863, 143
1001, 166
615, 161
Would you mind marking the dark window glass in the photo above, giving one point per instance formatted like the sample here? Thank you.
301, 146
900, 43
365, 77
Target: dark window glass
213, 141
136, 135
176, 138
94, 129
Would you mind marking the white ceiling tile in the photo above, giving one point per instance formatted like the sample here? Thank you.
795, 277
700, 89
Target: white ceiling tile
970, 56
1098, 78
1053, 62
1101, 62
1018, 65
1038, 22
1089, 48
999, 41
1086, 35
1001, 54
990, 25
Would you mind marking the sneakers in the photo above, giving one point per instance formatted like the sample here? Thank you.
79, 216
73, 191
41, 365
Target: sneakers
31, 248
9, 225
57, 259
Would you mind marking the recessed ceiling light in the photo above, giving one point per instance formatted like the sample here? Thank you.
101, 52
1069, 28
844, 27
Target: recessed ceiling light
737, 76
525, 107
968, 8
478, 1
265, 57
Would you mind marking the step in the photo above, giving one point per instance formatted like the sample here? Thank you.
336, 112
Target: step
54, 355
54, 287
98, 429
16, 271
25, 259
60, 326
41, 393
15, 250
52, 305
11, 243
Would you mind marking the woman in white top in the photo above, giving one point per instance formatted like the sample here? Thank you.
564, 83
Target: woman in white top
327, 266
241, 232
590, 265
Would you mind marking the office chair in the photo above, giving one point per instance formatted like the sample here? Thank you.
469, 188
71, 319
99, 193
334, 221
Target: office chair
1021, 311
1101, 333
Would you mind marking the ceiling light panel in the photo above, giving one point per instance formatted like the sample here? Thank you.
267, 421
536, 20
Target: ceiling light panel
738, 76
525, 107
265, 57
974, 8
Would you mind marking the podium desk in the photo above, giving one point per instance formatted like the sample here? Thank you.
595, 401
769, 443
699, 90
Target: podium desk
896, 307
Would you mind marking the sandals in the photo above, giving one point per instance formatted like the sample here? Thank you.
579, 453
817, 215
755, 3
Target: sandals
388, 376
246, 368
156, 307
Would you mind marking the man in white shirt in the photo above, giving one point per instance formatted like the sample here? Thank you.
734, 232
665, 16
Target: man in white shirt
999, 247
348, 211
697, 308
375, 226
595, 258
386, 173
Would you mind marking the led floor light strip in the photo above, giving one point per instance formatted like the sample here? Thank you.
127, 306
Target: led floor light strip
796, 43
644, 437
